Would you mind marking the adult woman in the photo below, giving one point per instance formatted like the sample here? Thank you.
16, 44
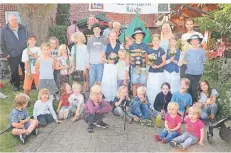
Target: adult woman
110, 58
166, 32
95, 108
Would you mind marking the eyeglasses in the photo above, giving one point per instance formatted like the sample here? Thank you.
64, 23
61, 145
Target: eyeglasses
98, 94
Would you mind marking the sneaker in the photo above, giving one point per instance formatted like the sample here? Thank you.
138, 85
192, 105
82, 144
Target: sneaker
23, 138
90, 128
156, 137
172, 143
163, 140
180, 146
35, 132
149, 122
143, 122
102, 124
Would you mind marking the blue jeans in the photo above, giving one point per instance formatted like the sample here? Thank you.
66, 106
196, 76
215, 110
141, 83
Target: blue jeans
141, 111
96, 73
168, 136
211, 109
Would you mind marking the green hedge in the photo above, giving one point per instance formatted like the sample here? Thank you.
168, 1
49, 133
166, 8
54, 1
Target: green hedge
59, 31
218, 73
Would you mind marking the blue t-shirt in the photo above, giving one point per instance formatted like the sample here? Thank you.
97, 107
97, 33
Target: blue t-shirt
17, 115
182, 100
172, 67
158, 54
137, 54
195, 60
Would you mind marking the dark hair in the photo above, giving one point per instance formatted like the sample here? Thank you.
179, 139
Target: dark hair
74, 22
167, 84
199, 90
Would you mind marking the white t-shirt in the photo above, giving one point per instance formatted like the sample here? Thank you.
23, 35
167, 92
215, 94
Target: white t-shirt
76, 99
203, 97
25, 57
121, 69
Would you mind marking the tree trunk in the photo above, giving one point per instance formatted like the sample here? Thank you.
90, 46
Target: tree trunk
37, 19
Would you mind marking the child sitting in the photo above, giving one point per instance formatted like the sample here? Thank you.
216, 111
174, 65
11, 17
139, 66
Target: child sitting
122, 100
76, 101
43, 108
194, 131
140, 106
20, 120
172, 124
64, 105
182, 97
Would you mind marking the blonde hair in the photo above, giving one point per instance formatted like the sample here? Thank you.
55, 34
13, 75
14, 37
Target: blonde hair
62, 45
93, 88
116, 24
122, 51
21, 99
162, 32
78, 35
120, 90
44, 45
76, 85
141, 90
156, 36
56, 39
172, 37
186, 80
173, 105
42, 92
129, 38
196, 110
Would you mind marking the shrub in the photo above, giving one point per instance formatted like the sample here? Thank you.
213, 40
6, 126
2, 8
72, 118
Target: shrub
59, 31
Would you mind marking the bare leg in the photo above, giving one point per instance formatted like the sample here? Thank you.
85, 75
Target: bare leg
33, 125
16, 131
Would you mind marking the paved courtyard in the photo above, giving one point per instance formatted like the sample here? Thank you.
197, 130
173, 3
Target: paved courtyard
73, 137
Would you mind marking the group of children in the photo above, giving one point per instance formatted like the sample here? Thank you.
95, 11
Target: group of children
52, 67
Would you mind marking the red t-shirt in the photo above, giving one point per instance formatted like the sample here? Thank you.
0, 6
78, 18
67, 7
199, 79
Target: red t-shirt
173, 122
194, 127
64, 99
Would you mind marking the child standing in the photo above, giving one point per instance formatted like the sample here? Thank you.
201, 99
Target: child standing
171, 69
80, 60
138, 51
45, 66
43, 109
172, 124
182, 97
122, 69
20, 120
63, 64
29, 57
122, 100
64, 105
140, 106
76, 101
207, 100
156, 60
195, 58
194, 131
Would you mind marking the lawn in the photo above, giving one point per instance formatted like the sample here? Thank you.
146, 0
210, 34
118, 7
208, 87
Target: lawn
7, 141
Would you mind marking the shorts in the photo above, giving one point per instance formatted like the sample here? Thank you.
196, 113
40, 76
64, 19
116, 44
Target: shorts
138, 78
28, 81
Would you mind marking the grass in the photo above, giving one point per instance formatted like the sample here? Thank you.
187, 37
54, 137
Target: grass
8, 142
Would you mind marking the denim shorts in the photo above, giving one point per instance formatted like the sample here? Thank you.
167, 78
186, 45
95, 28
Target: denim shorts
138, 78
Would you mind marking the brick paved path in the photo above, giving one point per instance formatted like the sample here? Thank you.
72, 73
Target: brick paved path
73, 137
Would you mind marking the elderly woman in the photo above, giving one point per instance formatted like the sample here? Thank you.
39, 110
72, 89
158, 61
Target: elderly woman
110, 58
116, 27
166, 32
95, 108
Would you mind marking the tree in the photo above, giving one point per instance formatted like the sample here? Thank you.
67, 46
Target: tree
218, 20
62, 16
37, 19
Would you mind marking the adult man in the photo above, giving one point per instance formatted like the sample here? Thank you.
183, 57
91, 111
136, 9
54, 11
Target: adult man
13, 42
95, 46
88, 32
189, 23
70, 30
108, 30
116, 28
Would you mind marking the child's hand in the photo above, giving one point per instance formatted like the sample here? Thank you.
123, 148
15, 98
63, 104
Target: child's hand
57, 111
201, 143
172, 58
154, 67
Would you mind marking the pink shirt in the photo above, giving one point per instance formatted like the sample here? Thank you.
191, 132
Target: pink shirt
173, 122
70, 30
194, 127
